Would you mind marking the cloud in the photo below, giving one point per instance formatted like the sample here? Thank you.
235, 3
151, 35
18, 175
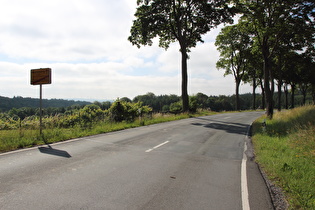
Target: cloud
65, 30
85, 43
103, 81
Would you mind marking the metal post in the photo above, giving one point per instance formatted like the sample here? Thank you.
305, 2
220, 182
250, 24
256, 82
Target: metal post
40, 110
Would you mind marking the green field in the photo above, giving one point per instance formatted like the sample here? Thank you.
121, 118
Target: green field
285, 149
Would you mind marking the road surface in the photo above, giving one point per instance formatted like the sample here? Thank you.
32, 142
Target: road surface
196, 163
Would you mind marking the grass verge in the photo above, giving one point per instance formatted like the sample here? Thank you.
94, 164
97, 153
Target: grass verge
18, 139
285, 149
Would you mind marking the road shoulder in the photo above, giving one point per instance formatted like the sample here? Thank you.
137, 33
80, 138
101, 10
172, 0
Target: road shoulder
263, 194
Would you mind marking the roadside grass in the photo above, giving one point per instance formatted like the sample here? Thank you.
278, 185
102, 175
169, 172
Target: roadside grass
285, 149
23, 138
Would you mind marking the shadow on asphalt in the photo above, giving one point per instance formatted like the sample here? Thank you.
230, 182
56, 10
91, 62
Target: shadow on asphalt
51, 151
229, 127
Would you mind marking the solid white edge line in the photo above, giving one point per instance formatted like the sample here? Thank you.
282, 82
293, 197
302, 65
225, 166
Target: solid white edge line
244, 186
157, 146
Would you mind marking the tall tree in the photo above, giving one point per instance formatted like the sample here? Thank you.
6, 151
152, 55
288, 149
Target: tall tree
184, 21
234, 45
253, 73
271, 20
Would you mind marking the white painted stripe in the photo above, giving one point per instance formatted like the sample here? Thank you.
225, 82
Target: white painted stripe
157, 146
244, 187
149, 150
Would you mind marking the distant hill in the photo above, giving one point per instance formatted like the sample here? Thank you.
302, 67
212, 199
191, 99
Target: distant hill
18, 102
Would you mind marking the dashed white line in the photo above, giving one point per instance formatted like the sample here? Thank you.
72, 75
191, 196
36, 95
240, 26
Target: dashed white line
157, 146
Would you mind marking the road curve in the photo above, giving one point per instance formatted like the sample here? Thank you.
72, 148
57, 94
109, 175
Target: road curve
187, 164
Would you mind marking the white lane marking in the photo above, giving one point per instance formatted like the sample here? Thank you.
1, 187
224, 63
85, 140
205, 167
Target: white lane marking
244, 186
245, 200
157, 146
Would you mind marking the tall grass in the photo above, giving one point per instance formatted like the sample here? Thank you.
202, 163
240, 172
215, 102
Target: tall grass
22, 138
285, 149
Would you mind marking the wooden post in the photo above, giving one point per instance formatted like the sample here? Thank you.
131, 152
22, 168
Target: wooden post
40, 110
40, 77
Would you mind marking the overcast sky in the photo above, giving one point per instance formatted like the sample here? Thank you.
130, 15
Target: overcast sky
85, 44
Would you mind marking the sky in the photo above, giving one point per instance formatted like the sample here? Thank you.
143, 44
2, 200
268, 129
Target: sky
85, 44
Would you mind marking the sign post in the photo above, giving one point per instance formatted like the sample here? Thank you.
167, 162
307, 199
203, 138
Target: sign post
40, 77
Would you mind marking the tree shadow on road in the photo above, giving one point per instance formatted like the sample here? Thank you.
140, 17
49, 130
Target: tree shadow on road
237, 128
51, 151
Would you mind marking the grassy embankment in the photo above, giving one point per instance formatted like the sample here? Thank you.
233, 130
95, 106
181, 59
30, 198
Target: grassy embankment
285, 149
23, 138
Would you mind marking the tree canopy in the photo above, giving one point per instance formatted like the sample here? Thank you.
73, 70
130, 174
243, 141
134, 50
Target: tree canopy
234, 45
275, 25
184, 21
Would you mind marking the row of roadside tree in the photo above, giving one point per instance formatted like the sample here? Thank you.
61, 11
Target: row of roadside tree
129, 109
272, 43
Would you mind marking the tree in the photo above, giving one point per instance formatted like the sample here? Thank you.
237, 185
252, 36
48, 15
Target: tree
184, 21
274, 21
124, 110
253, 72
234, 43
202, 100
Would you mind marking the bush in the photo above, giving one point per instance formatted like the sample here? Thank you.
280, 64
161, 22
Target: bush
177, 106
128, 111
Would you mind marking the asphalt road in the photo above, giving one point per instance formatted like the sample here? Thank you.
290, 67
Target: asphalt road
194, 163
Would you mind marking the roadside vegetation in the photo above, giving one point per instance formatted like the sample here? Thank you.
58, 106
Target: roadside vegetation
285, 149
19, 131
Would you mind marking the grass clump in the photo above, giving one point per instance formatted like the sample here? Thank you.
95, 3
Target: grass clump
285, 149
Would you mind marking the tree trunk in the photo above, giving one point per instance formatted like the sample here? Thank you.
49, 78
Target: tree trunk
279, 95
254, 93
237, 105
304, 92
184, 80
304, 98
286, 92
262, 94
267, 80
313, 93
292, 95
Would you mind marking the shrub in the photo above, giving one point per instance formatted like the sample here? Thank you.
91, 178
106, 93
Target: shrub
123, 110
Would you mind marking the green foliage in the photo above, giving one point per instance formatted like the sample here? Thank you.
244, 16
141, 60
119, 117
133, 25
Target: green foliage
286, 151
178, 20
33, 103
278, 28
177, 106
58, 128
234, 44
193, 104
123, 110
157, 103
183, 21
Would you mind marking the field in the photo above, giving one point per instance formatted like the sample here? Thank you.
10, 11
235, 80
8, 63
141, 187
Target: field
285, 149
